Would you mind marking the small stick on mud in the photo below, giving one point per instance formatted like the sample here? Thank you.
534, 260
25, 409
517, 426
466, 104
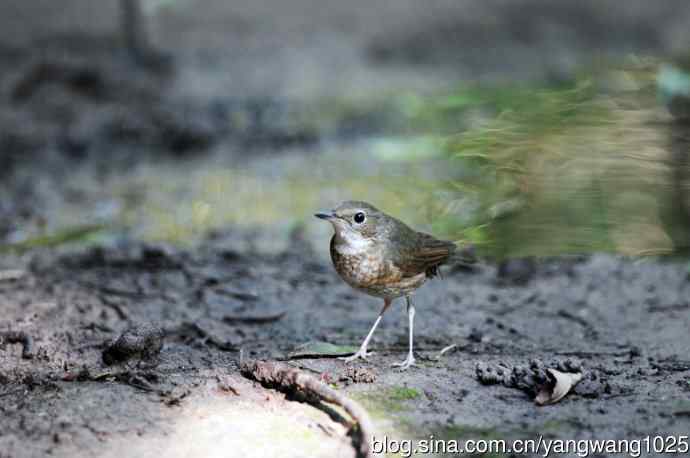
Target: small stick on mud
291, 379
669, 308
21, 337
446, 350
257, 319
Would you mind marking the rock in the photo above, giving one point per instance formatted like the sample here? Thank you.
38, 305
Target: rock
144, 342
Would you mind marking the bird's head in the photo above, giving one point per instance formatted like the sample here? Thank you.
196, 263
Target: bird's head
355, 222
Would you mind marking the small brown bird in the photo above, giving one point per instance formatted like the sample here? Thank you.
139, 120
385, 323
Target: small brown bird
381, 256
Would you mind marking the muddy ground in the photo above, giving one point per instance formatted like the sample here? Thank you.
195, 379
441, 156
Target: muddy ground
74, 106
622, 322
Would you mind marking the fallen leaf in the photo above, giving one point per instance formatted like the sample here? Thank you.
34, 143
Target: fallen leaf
316, 349
558, 385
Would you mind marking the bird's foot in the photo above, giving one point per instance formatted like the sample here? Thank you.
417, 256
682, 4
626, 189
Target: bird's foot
409, 361
362, 353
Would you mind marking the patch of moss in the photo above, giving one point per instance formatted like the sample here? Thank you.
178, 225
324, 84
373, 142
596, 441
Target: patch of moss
382, 403
403, 393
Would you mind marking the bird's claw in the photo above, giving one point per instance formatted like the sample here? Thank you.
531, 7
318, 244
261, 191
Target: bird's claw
409, 361
361, 354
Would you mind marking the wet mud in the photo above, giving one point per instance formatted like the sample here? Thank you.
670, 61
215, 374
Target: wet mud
164, 313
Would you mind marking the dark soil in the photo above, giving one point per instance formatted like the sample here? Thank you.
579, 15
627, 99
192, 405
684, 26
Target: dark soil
132, 349
623, 323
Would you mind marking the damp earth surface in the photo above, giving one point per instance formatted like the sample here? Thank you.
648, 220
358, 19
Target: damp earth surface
156, 228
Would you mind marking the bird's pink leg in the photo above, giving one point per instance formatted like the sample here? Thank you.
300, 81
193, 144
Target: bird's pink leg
362, 352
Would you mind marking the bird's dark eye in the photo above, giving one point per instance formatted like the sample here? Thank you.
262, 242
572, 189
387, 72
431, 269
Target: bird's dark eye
359, 217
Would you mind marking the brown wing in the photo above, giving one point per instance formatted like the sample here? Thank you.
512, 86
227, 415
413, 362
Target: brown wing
424, 255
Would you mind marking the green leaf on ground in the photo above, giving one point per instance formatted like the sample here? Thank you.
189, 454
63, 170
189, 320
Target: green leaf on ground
320, 349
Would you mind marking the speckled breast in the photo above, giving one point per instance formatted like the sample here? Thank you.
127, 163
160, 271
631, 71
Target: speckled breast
370, 273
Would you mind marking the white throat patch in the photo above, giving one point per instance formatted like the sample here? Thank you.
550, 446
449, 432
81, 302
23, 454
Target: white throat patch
351, 243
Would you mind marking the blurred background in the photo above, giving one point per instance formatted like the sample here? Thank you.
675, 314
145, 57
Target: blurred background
526, 127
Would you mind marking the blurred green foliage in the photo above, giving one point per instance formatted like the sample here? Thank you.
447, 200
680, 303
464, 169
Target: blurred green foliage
76, 234
497, 153
573, 168
518, 170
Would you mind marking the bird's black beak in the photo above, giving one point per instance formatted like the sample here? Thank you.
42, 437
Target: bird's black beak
328, 215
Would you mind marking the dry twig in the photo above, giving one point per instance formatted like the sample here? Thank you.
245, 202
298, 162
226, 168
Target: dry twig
445, 350
291, 379
256, 319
